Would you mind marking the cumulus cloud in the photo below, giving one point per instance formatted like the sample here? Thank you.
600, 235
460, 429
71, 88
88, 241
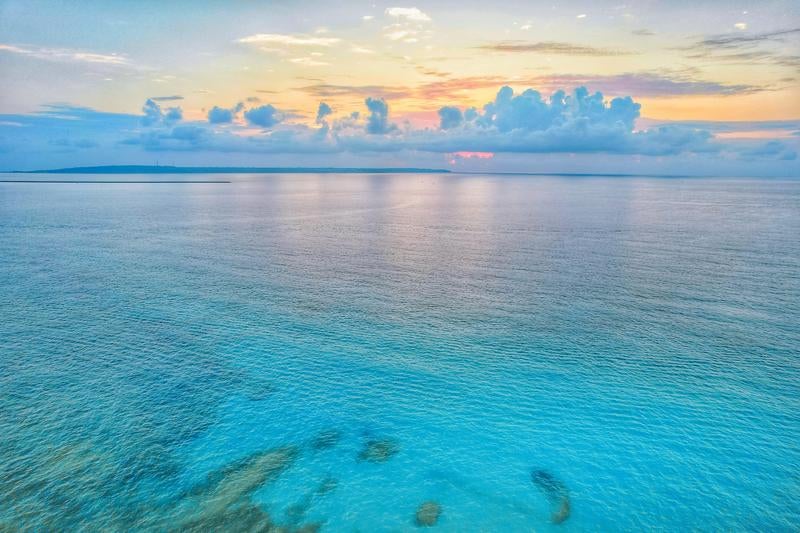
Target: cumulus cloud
581, 122
154, 115
412, 14
173, 114
219, 115
513, 122
323, 111
450, 117
265, 116
378, 118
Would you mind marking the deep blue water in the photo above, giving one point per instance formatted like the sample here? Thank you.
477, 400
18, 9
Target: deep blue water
220, 356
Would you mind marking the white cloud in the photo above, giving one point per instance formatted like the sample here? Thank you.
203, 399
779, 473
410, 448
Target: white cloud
289, 40
66, 54
740, 25
308, 62
398, 34
581, 16
408, 13
367, 17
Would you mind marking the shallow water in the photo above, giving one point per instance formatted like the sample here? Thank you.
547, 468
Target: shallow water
190, 355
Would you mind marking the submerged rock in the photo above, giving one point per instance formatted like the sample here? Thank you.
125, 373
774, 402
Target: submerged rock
225, 494
326, 439
327, 485
556, 493
244, 518
428, 514
378, 451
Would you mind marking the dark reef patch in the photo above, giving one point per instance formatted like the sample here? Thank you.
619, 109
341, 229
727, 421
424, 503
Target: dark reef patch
556, 493
378, 451
427, 514
326, 439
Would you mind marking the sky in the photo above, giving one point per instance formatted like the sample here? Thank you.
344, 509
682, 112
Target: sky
674, 87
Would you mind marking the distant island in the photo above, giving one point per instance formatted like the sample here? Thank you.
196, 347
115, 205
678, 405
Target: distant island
151, 169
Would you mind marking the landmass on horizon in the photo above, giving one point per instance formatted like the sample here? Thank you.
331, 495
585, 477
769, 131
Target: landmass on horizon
158, 169
168, 169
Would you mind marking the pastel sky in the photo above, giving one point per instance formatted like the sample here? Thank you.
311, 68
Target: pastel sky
677, 87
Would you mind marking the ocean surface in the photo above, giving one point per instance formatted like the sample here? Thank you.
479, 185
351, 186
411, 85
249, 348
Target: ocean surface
379, 352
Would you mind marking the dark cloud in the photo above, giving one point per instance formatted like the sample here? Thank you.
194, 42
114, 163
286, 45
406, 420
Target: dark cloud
551, 47
650, 84
166, 98
747, 48
771, 149
265, 116
737, 40
723, 126
220, 115
378, 118
323, 111
450, 117
325, 90
154, 115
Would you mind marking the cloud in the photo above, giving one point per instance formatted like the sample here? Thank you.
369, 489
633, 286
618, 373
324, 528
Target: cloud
219, 115
378, 118
725, 126
746, 48
289, 40
412, 14
640, 83
165, 98
736, 40
265, 116
643, 32
308, 62
173, 114
551, 47
222, 115
409, 26
513, 122
771, 149
154, 115
323, 111
650, 84
66, 54
327, 90
450, 117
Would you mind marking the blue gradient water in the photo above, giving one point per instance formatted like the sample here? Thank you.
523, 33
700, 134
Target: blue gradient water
637, 339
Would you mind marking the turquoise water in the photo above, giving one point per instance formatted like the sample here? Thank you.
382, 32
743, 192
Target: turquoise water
331, 351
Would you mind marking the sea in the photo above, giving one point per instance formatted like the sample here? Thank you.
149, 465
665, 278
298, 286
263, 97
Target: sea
399, 352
